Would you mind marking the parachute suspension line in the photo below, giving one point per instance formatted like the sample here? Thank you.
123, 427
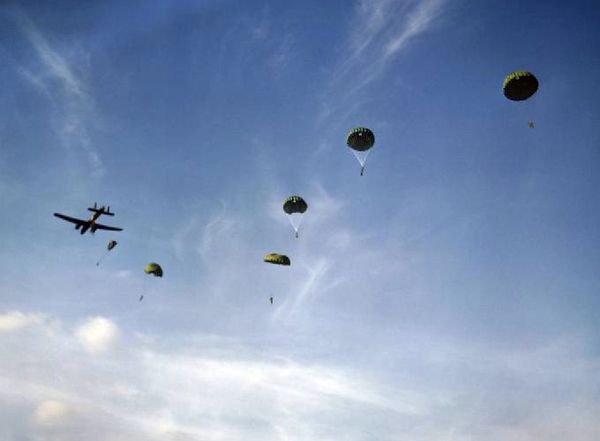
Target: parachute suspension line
361, 157
295, 221
102, 257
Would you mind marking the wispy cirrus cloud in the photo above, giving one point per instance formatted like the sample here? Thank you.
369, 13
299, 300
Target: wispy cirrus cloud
389, 26
65, 86
215, 229
380, 31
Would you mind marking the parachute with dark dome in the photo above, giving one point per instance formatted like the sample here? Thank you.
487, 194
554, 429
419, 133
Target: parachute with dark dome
294, 207
360, 140
294, 204
520, 85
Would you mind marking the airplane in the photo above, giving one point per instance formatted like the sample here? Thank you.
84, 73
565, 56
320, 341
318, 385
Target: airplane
90, 224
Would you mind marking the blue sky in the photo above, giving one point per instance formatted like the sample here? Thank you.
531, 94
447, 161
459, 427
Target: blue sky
451, 293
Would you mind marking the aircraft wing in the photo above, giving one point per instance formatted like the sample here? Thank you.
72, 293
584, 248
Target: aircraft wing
70, 219
106, 227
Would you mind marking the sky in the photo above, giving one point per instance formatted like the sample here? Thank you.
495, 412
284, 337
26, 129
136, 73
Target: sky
449, 294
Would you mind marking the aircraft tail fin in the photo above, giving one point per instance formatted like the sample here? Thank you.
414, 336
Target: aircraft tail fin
101, 210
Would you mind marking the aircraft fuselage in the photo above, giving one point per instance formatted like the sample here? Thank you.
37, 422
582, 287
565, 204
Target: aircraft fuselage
90, 224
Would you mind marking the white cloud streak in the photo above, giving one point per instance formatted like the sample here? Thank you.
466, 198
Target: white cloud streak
385, 31
218, 226
60, 82
419, 21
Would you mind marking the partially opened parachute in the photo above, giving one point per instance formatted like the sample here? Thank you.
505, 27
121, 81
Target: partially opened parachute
154, 269
520, 85
110, 246
277, 259
294, 207
360, 140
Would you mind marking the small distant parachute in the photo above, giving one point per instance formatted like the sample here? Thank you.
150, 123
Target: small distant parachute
294, 207
154, 269
277, 259
360, 140
520, 85
110, 246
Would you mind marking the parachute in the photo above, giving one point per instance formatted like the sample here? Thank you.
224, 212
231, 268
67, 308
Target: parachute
360, 140
277, 259
294, 207
520, 85
154, 269
110, 246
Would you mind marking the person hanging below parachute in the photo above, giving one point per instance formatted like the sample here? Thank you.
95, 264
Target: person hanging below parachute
277, 259
295, 207
110, 246
520, 86
360, 140
153, 269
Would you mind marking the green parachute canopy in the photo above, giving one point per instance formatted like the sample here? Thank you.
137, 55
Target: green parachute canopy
360, 139
110, 246
294, 204
520, 85
294, 207
278, 259
154, 269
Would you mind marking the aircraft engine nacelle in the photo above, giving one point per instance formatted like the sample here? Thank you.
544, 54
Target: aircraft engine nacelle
93, 229
78, 226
